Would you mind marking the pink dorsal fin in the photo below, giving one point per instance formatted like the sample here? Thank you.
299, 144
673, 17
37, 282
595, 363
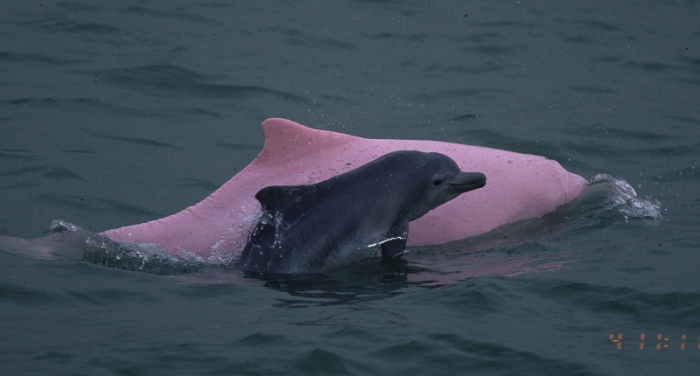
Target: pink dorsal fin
286, 140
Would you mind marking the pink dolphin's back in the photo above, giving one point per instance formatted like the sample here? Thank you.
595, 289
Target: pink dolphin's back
519, 186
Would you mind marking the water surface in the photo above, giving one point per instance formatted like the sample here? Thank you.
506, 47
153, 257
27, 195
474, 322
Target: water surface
113, 114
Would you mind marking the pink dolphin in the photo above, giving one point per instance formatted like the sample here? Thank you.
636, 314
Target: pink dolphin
519, 186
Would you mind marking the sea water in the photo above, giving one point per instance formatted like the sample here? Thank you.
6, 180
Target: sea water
118, 113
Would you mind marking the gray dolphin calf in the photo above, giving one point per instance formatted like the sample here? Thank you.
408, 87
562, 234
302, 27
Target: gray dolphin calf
347, 218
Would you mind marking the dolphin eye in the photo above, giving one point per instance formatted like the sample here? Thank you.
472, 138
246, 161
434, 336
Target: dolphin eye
437, 182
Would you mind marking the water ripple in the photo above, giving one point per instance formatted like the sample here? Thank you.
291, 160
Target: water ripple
12, 57
444, 353
171, 80
13, 293
676, 308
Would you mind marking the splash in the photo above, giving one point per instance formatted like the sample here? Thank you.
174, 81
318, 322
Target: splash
149, 258
623, 198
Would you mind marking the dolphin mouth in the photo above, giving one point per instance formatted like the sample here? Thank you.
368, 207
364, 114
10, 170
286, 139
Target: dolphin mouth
468, 181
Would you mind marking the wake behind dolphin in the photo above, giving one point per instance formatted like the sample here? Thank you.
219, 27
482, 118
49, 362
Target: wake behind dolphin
344, 219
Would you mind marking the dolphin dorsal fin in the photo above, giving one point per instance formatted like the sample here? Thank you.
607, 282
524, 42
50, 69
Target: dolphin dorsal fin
279, 198
287, 141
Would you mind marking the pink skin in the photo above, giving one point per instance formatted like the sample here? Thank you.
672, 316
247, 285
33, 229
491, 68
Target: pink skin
519, 186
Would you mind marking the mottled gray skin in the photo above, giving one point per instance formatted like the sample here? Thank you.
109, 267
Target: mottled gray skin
342, 220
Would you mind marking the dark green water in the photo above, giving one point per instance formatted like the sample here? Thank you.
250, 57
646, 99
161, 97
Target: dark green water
118, 113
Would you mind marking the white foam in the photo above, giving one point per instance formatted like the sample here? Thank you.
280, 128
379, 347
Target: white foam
624, 199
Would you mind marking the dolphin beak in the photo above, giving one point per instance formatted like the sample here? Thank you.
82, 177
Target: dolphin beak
468, 181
